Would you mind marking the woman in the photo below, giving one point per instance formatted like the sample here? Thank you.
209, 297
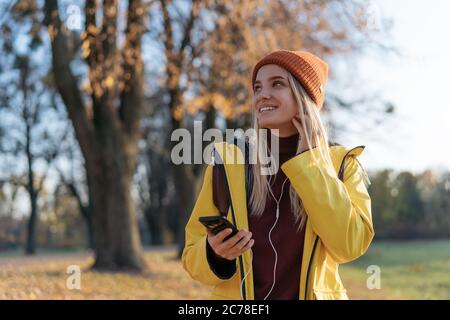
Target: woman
298, 224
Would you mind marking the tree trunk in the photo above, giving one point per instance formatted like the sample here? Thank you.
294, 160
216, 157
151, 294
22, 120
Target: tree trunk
155, 227
90, 232
116, 233
184, 180
32, 223
31, 189
156, 221
110, 178
109, 137
86, 213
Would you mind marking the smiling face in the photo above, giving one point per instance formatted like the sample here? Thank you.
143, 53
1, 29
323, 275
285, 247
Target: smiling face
273, 100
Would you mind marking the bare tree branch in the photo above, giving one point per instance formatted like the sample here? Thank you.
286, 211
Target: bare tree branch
65, 80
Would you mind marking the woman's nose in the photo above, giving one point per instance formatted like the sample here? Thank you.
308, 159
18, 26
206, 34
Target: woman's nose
264, 94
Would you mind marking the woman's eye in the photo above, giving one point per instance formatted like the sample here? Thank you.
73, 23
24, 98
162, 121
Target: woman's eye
274, 84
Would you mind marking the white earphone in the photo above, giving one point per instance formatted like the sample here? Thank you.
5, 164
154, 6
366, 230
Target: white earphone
277, 214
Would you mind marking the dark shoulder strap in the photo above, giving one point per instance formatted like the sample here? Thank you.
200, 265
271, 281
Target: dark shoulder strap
248, 172
332, 144
220, 196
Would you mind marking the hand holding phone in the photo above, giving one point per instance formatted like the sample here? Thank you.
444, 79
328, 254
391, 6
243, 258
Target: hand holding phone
223, 237
218, 223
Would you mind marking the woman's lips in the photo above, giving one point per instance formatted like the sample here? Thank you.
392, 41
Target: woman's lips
267, 109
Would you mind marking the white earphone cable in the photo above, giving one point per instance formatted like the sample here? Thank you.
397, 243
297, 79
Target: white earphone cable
270, 239
251, 265
271, 243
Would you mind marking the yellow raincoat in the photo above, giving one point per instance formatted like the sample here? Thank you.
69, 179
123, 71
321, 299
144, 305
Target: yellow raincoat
338, 230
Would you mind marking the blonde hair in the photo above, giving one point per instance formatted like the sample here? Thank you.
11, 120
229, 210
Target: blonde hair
260, 182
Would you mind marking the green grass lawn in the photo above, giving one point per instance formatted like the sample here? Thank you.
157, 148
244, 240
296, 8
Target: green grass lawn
409, 270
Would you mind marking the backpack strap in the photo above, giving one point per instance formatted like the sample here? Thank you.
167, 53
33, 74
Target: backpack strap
221, 197
247, 167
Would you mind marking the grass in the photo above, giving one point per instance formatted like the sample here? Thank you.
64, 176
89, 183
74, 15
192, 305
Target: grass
409, 270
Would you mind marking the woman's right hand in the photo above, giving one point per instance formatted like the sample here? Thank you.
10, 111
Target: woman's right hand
234, 246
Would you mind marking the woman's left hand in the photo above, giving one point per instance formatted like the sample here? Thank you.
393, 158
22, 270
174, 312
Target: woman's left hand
313, 137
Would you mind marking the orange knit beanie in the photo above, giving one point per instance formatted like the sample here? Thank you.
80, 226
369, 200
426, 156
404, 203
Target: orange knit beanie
308, 69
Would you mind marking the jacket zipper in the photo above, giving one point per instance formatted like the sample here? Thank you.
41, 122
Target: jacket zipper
241, 263
309, 265
341, 169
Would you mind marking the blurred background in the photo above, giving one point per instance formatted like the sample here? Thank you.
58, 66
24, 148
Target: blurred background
92, 90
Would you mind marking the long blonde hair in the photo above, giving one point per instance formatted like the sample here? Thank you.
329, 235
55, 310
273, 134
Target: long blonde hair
260, 182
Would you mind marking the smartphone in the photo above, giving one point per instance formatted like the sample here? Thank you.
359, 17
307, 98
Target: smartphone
217, 224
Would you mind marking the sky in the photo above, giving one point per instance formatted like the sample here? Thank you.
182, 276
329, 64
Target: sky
417, 137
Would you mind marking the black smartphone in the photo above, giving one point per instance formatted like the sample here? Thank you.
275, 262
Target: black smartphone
217, 224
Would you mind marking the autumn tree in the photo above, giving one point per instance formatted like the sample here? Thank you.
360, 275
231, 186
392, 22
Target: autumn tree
106, 119
29, 125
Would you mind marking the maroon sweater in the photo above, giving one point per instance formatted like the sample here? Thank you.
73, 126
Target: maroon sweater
285, 238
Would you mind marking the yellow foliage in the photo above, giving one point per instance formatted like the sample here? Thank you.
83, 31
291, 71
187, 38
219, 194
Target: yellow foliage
108, 82
86, 87
92, 29
51, 32
85, 48
178, 113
